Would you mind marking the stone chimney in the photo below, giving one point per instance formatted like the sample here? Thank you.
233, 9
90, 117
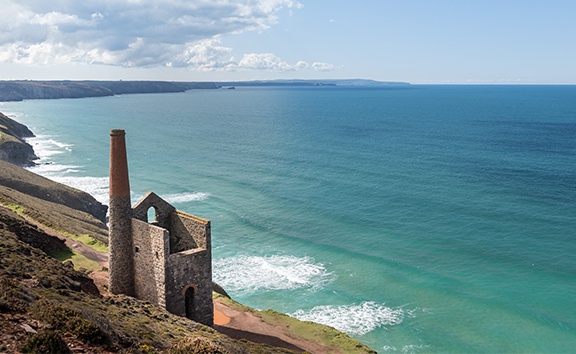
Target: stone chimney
120, 224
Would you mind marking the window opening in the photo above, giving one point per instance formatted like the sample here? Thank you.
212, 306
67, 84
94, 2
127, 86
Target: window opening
152, 216
189, 300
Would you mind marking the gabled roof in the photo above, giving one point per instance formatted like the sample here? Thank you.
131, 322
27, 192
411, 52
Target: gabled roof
151, 199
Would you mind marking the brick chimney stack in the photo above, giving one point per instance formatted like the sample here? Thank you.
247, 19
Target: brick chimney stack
120, 220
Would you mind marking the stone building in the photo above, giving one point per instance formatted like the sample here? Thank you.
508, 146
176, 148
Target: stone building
167, 260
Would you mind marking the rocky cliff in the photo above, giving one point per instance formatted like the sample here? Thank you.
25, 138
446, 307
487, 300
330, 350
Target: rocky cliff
13, 148
15, 152
27, 90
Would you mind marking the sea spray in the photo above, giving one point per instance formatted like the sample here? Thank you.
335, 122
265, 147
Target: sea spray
249, 274
353, 319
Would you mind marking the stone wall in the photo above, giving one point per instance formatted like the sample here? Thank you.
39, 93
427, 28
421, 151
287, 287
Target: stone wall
190, 265
190, 269
188, 232
150, 245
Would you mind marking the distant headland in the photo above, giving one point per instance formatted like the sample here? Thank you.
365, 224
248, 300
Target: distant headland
20, 90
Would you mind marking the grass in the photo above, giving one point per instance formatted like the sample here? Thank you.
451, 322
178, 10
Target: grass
314, 332
80, 262
20, 210
86, 239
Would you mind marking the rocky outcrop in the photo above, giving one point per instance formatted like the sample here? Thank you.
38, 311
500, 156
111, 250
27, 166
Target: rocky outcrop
13, 148
12, 127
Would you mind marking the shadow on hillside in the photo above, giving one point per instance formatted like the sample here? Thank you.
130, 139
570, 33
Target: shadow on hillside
257, 338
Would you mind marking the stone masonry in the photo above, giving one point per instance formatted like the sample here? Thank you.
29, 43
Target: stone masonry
166, 261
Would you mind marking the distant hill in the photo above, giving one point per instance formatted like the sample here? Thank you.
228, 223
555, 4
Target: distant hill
28, 90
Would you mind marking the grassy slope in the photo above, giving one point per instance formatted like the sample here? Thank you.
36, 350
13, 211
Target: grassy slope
27, 273
58, 302
19, 179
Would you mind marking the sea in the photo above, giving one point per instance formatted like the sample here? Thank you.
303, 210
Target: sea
416, 218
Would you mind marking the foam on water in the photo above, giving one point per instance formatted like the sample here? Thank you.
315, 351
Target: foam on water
353, 319
249, 274
95, 186
411, 348
46, 147
185, 197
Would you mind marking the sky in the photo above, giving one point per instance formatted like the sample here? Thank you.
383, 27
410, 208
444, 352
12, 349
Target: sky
417, 41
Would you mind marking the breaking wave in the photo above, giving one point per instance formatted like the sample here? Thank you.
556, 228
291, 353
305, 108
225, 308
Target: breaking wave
45, 147
185, 197
249, 274
353, 319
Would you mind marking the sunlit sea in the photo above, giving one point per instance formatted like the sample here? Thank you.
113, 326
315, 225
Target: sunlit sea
415, 218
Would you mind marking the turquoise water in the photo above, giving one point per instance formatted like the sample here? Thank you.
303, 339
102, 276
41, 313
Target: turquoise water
416, 219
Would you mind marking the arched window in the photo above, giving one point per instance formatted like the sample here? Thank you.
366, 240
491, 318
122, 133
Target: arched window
152, 215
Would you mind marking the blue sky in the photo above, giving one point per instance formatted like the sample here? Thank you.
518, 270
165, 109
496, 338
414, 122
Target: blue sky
418, 41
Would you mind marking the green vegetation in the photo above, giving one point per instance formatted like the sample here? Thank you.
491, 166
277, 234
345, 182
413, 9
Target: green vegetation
63, 303
80, 262
45, 341
68, 320
20, 210
314, 332
88, 241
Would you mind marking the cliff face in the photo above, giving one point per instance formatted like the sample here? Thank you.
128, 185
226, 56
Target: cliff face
14, 152
26, 90
12, 146
22, 90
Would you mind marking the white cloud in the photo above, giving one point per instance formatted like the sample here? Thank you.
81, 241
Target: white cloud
270, 62
139, 33
320, 66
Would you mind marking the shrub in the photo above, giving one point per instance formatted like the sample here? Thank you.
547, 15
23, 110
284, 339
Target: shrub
196, 346
12, 297
69, 320
45, 341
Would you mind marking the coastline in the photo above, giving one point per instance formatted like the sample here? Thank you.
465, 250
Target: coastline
235, 320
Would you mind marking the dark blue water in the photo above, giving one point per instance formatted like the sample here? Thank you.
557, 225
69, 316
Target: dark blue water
417, 219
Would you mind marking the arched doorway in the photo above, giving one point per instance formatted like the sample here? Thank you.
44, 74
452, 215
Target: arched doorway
189, 303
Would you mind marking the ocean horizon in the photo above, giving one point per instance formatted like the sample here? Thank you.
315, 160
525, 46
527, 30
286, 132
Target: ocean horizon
421, 218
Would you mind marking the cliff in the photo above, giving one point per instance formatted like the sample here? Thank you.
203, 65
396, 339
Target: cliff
27, 90
31, 184
53, 298
13, 148
14, 152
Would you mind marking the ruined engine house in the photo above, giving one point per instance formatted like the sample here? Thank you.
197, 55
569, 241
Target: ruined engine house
166, 261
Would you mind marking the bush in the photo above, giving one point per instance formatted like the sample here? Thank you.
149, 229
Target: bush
196, 346
45, 341
12, 297
69, 320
